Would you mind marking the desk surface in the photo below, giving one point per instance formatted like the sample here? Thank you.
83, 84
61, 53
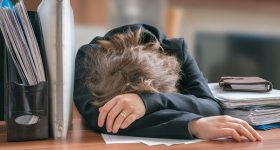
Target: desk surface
80, 138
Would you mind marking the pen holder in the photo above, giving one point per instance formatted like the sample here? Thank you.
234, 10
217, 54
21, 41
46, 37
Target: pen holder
27, 112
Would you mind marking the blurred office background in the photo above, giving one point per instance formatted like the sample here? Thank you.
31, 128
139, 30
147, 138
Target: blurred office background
228, 38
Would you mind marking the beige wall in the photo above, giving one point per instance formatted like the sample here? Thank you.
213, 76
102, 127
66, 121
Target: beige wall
213, 20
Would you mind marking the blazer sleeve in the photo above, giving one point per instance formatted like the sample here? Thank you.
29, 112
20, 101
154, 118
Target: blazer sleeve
194, 94
162, 122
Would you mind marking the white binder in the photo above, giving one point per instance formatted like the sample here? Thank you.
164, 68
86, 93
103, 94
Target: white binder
58, 31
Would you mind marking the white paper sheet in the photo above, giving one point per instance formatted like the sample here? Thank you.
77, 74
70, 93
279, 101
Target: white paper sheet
119, 139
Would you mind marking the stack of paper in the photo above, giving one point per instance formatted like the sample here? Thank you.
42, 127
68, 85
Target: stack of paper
233, 99
119, 139
255, 108
256, 115
21, 42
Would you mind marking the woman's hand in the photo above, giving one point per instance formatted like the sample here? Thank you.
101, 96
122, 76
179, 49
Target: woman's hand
121, 111
222, 126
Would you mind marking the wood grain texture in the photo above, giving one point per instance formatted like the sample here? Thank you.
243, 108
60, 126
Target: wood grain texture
81, 138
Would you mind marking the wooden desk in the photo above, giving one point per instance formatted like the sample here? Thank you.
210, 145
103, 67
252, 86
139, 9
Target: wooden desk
80, 138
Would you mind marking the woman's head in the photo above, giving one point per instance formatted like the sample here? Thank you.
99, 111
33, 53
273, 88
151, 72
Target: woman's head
124, 64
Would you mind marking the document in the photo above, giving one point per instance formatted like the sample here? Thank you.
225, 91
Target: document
119, 139
21, 42
256, 116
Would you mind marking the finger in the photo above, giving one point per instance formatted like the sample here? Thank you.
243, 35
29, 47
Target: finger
241, 130
114, 112
120, 119
228, 132
248, 127
104, 111
129, 120
251, 130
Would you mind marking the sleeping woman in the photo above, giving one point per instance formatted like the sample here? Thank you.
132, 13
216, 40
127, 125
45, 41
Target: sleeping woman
134, 81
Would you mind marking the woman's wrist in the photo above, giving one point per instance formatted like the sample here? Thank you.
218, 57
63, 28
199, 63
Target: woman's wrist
192, 127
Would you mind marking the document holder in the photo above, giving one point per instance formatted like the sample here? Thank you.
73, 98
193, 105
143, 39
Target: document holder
27, 112
26, 107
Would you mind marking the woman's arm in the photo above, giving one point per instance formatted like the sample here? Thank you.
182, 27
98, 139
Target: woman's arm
161, 124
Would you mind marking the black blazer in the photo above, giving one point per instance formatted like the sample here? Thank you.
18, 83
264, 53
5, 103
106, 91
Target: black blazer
167, 114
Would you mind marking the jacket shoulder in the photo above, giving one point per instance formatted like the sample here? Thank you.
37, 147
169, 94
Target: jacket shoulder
176, 47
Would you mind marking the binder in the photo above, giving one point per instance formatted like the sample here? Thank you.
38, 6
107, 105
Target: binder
58, 32
246, 84
26, 107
